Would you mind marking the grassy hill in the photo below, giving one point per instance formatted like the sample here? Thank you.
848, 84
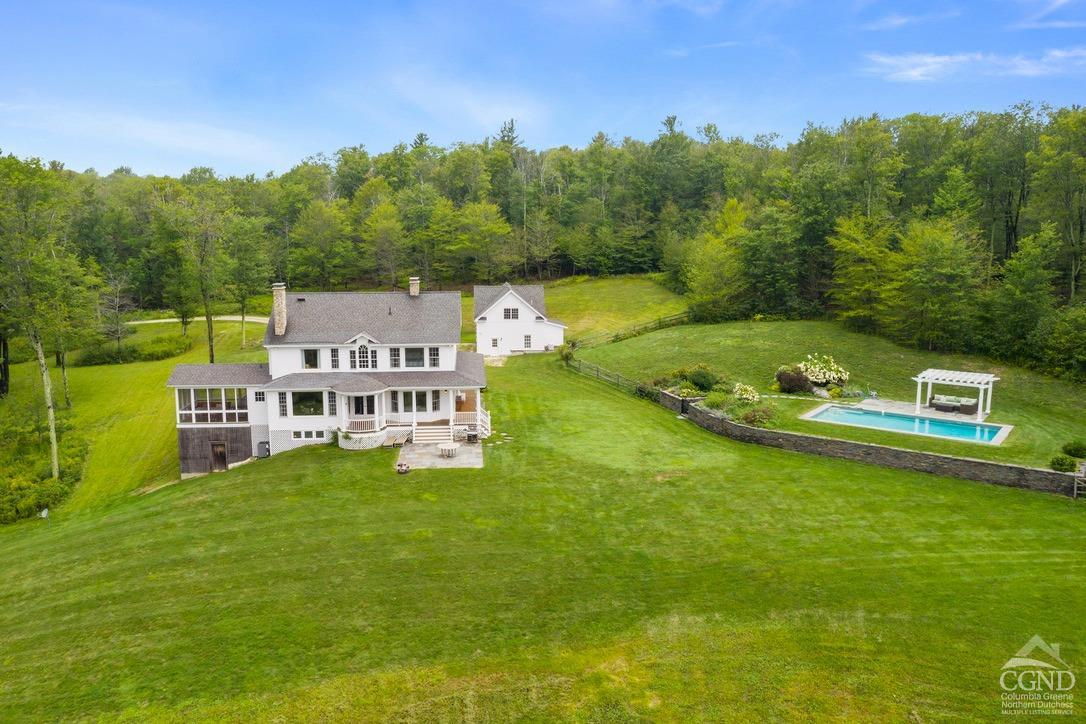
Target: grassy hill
1046, 412
588, 305
611, 561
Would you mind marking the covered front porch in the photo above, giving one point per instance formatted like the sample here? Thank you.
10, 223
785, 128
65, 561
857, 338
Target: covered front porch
429, 413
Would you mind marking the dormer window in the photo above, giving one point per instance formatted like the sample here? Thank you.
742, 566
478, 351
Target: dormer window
435, 356
394, 357
413, 357
311, 359
511, 313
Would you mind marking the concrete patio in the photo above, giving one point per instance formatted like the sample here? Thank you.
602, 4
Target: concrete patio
420, 456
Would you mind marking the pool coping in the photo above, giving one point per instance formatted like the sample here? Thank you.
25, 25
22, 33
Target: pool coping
1000, 436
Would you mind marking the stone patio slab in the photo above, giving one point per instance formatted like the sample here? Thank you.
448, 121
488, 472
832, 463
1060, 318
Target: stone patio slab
428, 456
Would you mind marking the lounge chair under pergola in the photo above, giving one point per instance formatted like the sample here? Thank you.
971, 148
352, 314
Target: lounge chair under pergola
982, 381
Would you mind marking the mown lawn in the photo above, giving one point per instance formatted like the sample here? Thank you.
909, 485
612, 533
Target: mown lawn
126, 412
1046, 412
610, 562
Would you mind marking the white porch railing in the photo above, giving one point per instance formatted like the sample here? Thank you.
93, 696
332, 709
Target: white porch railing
399, 418
362, 424
479, 419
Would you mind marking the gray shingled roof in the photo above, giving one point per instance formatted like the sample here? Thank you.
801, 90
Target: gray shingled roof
225, 375
469, 373
531, 293
349, 383
387, 317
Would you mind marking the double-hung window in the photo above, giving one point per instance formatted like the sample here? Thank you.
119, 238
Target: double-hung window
282, 404
331, 403
435, 400
413, 357
511, 313
367, 358
435, 356
335, 358
527, 341
395, 397
394, 357
494, 342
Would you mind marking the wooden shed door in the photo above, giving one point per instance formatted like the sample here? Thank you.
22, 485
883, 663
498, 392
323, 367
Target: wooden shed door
218, 456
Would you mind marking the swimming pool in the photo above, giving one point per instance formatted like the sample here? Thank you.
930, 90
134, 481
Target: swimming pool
911, 424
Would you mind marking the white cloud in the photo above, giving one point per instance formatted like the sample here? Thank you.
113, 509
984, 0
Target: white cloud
685, 52
894, 21
913, 67
1041, 18
169, 135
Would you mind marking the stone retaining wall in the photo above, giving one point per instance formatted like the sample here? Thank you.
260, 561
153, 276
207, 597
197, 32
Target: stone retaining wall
1015, 476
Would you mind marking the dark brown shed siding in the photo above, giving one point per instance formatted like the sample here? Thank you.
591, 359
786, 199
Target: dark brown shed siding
194, 446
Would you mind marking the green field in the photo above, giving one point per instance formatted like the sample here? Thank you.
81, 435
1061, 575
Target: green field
595, 306
1046, 412
610, 562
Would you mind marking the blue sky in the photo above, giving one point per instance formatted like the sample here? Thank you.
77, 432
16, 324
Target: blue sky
249, 88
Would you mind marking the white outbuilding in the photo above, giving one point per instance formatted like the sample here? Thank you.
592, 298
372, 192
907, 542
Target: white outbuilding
513, 319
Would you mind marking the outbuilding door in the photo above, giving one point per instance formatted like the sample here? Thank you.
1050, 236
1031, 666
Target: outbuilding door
218, 456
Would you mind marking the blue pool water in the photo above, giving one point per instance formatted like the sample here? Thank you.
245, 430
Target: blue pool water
897, 422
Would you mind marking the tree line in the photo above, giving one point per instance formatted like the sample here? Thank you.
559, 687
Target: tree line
958, 232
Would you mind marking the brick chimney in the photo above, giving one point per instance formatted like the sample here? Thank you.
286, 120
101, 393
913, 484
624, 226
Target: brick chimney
279, 308
413, 286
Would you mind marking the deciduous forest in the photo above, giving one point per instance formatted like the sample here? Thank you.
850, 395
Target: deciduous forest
944, 232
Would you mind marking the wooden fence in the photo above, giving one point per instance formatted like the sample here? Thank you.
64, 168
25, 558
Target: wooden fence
613, 378
671, 320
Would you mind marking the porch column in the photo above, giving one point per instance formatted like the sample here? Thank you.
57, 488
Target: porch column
919, 391
414, 410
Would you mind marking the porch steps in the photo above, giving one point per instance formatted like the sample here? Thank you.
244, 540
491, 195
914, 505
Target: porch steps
432, 434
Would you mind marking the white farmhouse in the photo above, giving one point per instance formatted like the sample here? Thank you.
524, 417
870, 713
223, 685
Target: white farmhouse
513, 319
364, 367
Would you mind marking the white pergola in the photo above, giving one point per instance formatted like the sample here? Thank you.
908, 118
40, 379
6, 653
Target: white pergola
982, 381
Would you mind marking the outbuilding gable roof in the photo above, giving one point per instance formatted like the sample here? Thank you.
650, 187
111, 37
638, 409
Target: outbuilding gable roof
486, 296
385, 317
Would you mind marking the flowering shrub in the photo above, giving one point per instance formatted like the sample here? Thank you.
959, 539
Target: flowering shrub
823, 370
759, 416
688, 391
746, 393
